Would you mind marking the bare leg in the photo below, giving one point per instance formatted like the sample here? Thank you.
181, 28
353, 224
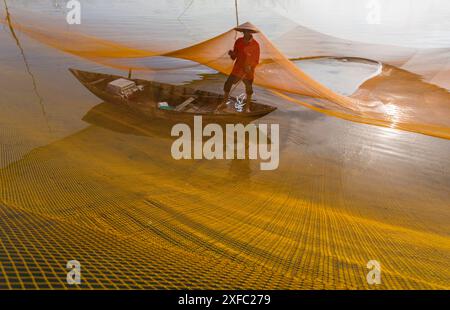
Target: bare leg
249, 93
248, 103
223, 105
226, 96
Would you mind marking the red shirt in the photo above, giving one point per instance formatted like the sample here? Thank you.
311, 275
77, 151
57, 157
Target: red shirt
247, 54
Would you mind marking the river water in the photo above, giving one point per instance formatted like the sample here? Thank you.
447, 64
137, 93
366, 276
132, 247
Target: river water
81, 179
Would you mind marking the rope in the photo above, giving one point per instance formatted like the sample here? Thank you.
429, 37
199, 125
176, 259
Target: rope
27, 66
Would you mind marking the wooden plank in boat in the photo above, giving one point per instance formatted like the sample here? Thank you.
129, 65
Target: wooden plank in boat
96, 81
182, 106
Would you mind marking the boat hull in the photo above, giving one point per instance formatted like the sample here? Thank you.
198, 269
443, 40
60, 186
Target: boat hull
146, 103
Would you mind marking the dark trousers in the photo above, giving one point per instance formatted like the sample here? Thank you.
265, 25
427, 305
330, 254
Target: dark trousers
232, 79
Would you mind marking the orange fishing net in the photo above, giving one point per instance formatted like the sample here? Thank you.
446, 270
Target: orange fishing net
423, 109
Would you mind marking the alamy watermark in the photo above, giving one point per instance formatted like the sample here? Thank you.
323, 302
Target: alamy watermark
231, 144
374, 15
374, 275
74, 274
73, 17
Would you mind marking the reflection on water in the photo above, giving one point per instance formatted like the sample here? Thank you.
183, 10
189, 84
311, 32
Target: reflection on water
122, 120
105, 183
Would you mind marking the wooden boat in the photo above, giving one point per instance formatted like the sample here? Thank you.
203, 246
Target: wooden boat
183, 102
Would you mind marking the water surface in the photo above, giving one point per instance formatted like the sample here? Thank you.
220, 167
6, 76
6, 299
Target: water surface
85, 179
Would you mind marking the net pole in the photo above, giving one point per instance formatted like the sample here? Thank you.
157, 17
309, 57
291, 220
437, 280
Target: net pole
237, 14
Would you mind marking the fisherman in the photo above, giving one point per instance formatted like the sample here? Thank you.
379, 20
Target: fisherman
246, 56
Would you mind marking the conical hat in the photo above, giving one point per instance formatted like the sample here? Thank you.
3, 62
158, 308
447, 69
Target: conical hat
247, 27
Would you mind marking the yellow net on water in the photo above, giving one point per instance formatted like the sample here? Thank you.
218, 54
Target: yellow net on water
393, 99
135, 218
